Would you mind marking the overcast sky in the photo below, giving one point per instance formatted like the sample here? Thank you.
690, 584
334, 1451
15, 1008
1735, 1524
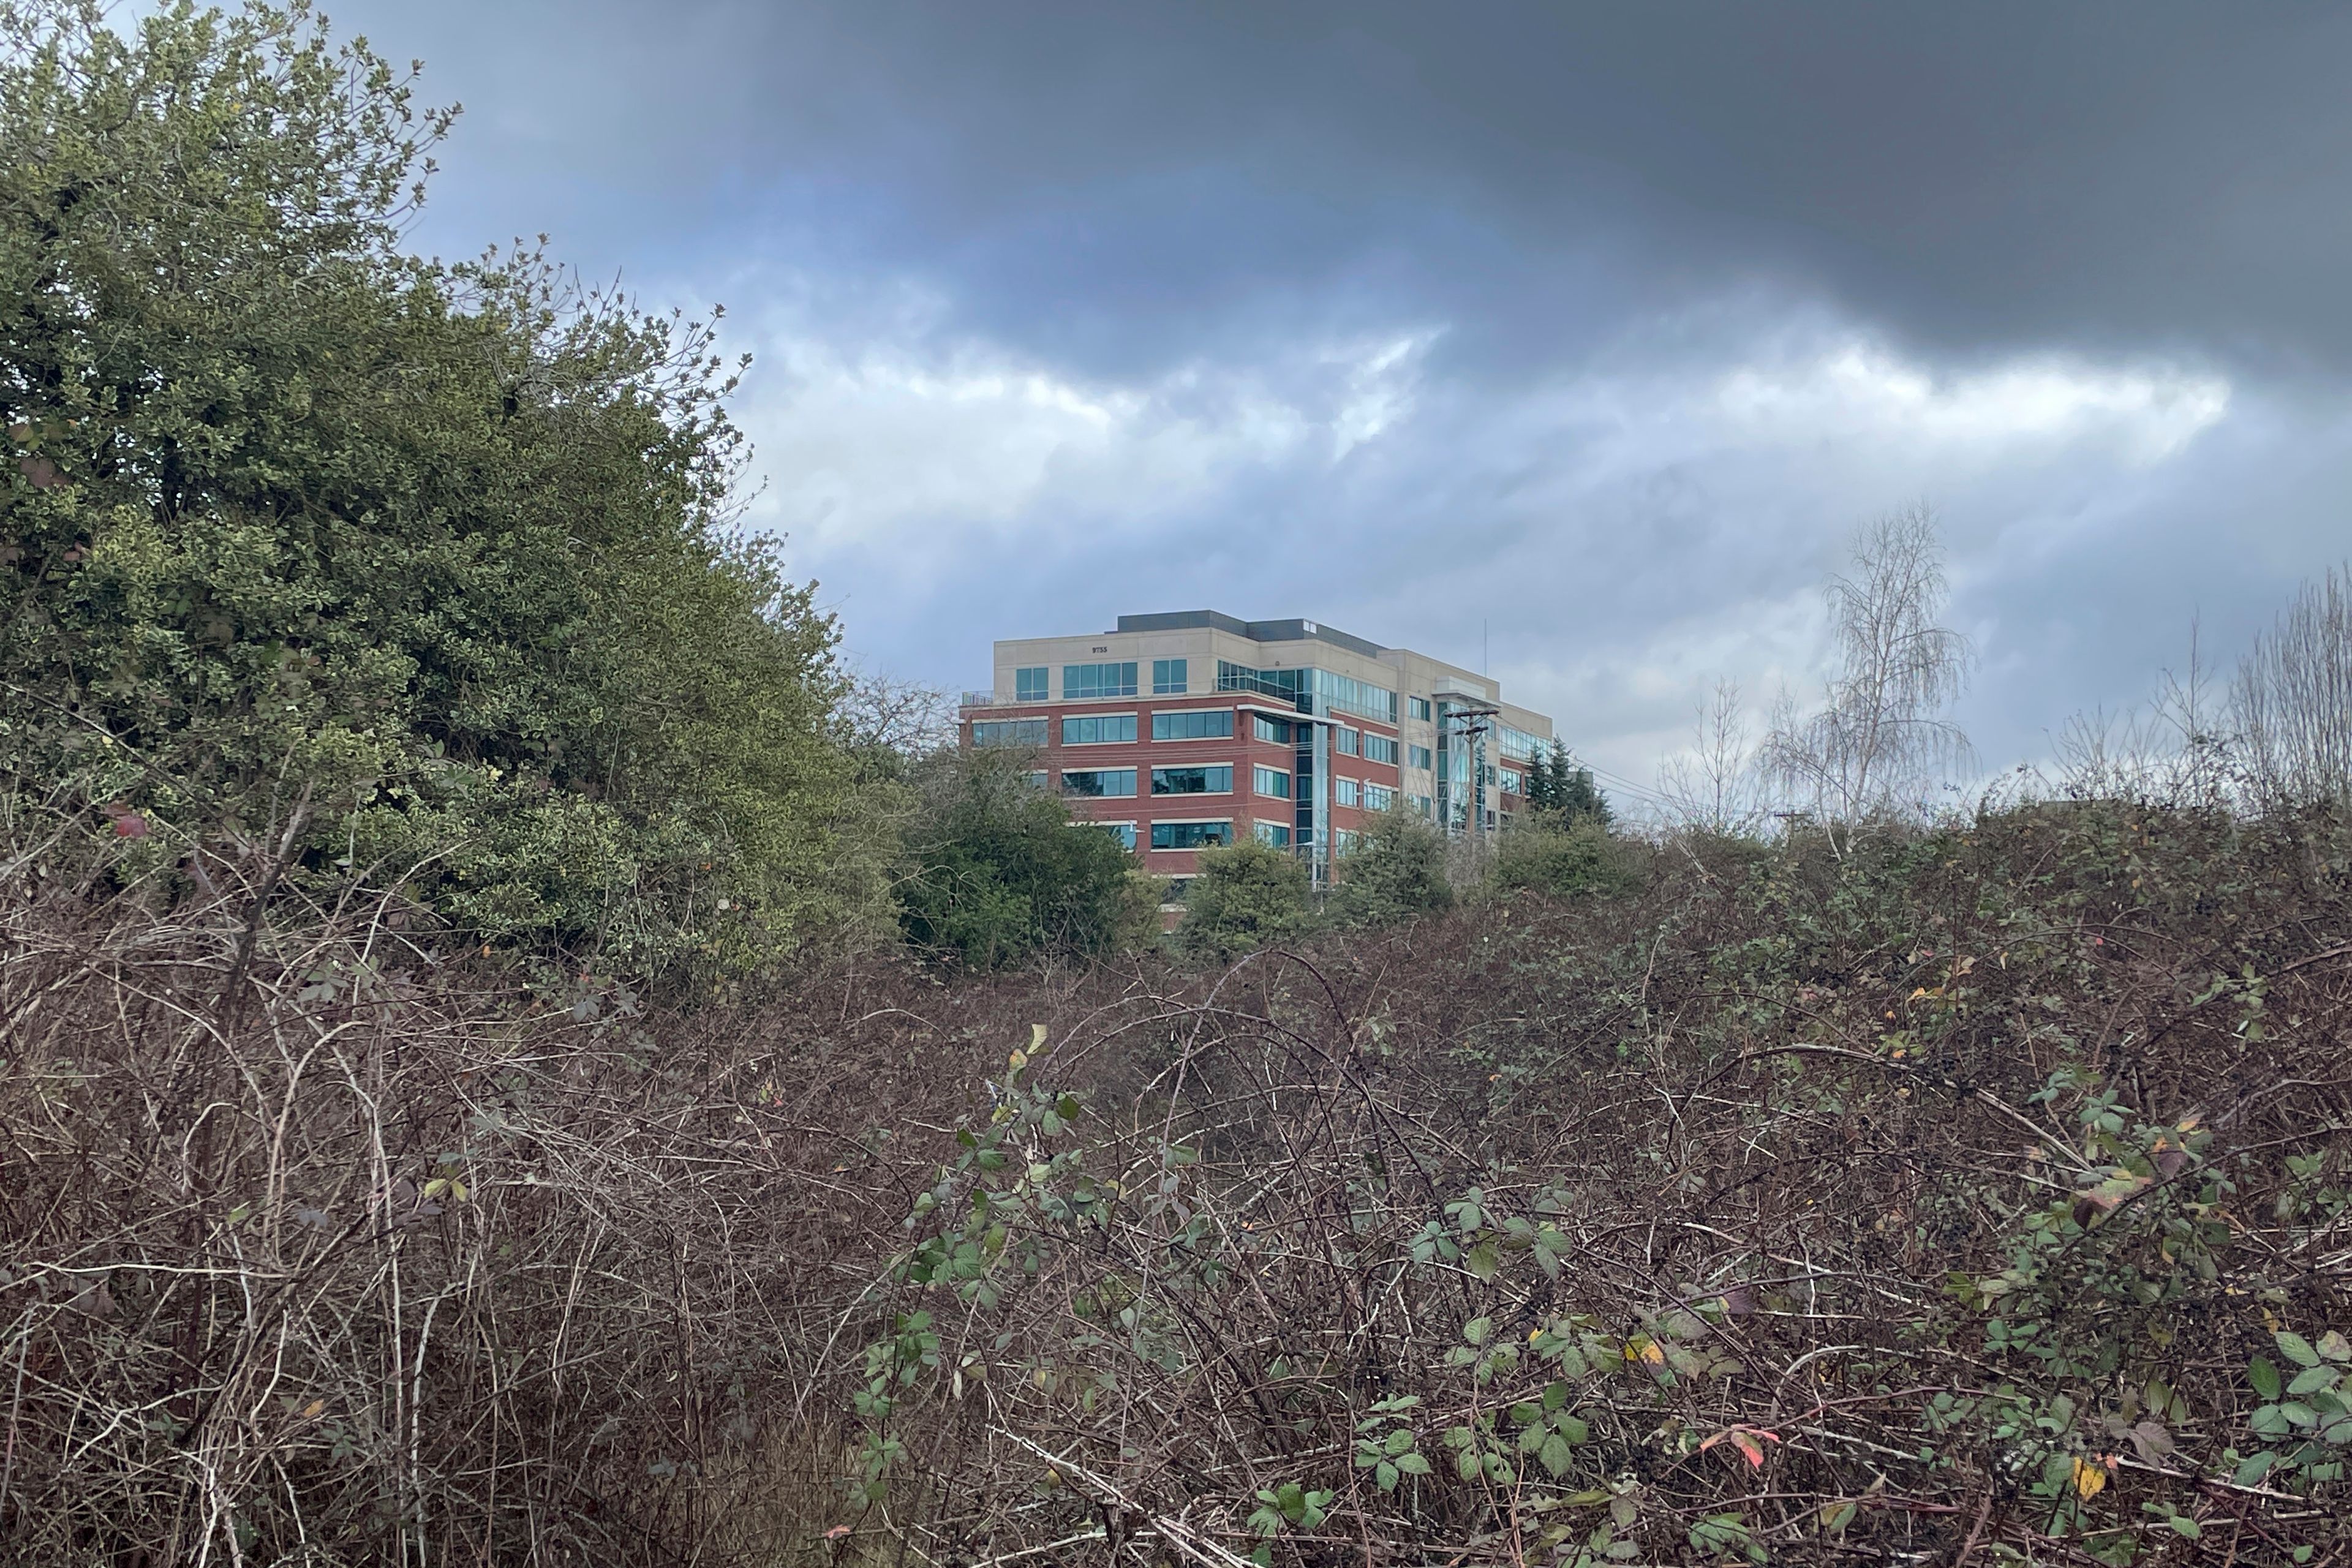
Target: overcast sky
1575, 339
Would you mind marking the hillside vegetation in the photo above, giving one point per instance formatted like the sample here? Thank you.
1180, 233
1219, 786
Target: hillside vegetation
509, 1055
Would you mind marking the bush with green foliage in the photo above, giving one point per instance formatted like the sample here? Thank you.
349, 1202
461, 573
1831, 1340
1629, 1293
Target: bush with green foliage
997, 873
1244, 896
435, 558
1565, 860
1395, 872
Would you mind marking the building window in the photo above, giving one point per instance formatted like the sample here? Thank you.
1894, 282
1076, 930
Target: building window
1274, 729
1422, 806
1168, 678
1379, 797
1122, 831
1009, 733
1039, 780
1419, 707
1289, 685
1518, 743
1273, 833
1417, 756
1350, 743
1099, 783
1343, 791
1381, 749
1029, 684
1345, 694
1510, 780
1190, 835
1217, 779
1193, 724
1271, 782
1345, 839
1107, 730
1084, 680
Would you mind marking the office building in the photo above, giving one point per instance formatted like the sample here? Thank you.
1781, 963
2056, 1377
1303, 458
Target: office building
1184, 730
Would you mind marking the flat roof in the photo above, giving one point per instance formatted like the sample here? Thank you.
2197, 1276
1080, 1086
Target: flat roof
1296, 629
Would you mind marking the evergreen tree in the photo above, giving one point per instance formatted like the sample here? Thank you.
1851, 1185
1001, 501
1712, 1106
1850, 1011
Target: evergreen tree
1538, 784
1558, 785
1580, 799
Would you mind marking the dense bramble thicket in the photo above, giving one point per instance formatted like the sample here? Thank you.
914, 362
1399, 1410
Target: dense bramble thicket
1977, 1195
420, 569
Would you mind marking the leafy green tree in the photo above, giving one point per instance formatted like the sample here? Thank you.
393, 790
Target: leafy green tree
998, 873
1396, 870
439, 554
1244, 896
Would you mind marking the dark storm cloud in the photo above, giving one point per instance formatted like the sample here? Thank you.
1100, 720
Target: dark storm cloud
1980, 175
1582, 332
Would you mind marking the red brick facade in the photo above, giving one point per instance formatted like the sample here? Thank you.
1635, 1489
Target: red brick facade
1241, 806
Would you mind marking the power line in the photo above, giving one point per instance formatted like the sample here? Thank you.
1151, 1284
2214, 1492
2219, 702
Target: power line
1622, 783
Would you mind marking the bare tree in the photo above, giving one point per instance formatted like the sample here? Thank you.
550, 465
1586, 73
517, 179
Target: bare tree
878, 712
1713, 787
2292, 700
2178, 752
1879, 742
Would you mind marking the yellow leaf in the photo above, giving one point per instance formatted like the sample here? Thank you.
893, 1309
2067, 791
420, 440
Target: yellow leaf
2090, 1478
1017, 1060
312, 1410
1036, 1036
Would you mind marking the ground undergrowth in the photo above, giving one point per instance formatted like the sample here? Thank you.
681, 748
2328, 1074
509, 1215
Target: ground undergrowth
1975, 1196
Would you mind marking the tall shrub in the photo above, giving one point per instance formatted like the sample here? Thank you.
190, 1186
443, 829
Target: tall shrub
1246, 896
997, 872
1396, 870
